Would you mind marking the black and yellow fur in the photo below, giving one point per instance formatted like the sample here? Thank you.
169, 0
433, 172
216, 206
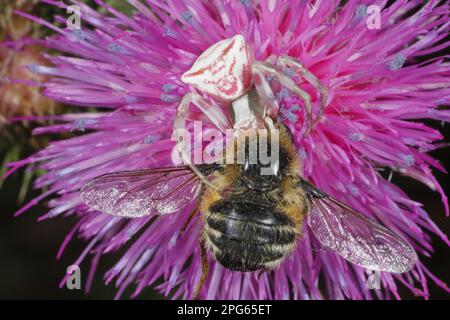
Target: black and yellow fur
249, 230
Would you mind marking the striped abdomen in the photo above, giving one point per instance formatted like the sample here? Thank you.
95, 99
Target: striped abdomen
248, 235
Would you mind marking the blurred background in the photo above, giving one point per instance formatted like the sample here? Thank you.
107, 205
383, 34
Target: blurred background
28, 265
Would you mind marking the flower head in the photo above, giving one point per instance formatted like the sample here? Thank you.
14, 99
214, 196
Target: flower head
130, 69
18, 49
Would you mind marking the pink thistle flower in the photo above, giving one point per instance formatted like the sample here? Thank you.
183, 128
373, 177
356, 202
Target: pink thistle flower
130, 68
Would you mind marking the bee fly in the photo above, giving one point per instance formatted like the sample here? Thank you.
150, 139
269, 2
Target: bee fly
252, 221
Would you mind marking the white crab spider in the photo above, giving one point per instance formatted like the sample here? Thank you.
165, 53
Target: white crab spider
228, 73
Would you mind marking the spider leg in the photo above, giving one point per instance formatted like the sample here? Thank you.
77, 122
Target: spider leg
211, 111
205, 267
263, 69
264, 90
286, 61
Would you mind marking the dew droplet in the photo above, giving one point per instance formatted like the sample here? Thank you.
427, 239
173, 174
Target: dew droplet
361, 11
354, 190
130, 99
33, 68
302, 153
187, 16
168, 97
115, 48
290, 115
77, 35
283, 93
151, 138
79, 125
397, 62
167, 87
408, 160
169, 32
356, 136
289, 72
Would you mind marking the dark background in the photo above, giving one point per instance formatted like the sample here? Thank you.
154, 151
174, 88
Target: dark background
28, 265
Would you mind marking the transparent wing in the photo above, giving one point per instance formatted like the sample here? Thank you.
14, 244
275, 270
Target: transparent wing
141, 193
355, 237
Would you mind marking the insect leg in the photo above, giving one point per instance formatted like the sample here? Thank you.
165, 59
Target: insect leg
205, 267
191, 216
265, 69
214, 114
296, 66
260, 273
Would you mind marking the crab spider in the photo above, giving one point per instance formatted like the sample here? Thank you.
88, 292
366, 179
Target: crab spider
228, 73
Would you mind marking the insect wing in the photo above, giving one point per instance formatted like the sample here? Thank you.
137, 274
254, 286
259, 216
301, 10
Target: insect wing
135, 194
357, 238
